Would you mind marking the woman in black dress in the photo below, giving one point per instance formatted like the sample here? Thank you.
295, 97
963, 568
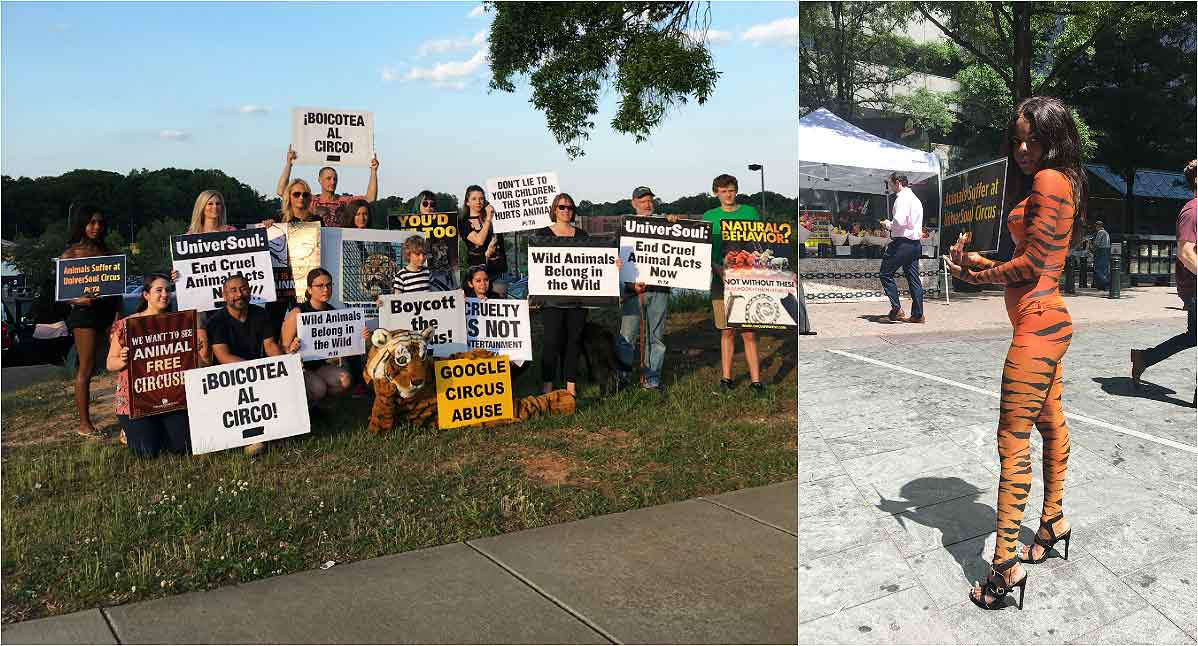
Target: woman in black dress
483, 245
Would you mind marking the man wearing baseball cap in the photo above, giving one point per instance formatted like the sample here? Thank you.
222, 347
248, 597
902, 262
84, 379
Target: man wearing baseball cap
644, 307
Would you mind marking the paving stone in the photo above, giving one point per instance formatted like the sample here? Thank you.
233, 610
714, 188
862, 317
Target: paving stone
928, 488
905, 617
1127, 541
776, 504
830, 584
84, 627
898, 465
818, 466
837, 530
879, 441
1144, 626
828, 495
933, 526
665, 574
1168, 585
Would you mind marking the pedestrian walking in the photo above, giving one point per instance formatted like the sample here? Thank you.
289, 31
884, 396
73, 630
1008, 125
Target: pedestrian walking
906, 229
1102, 256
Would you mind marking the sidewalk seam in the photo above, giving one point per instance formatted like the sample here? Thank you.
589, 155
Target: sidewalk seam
111, 628
749, 516
552, 599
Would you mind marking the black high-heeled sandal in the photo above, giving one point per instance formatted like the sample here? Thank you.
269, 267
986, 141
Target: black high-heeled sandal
1048, 543
998, 588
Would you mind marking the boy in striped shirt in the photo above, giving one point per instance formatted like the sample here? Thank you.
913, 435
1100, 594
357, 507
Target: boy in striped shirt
414, 276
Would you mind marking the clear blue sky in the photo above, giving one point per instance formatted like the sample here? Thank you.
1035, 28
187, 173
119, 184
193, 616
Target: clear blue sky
210, 85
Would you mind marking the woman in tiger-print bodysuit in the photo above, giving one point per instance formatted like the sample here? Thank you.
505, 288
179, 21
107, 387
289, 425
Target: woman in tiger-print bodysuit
1045, 147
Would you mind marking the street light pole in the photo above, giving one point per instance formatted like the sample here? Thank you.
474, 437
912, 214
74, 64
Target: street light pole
759, 167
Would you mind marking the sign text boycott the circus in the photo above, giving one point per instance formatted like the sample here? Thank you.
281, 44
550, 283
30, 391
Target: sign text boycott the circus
760, 279
501, 326
204, 260
162, 349
522, 202
246, 402
418, 311
973, 201
329, 136
655, 252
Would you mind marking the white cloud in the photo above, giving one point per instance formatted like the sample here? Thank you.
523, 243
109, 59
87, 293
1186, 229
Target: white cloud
389, 73
784, 31
713, 35
449, 45
251, 108
174, 135
449, 73
477, 12
59, 27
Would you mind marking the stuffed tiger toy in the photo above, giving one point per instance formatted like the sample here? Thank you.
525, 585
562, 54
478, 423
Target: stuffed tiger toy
399, 366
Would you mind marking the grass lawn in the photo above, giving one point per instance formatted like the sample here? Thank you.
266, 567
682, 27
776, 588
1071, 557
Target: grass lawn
85, 523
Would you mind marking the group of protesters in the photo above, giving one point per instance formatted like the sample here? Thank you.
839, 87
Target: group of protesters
240, 331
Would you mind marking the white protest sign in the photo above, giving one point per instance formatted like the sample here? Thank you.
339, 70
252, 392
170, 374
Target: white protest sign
566, 272
522, 202
500, 326
322, 136
655, 252
247, 402
416, 311
332, 333
204, 260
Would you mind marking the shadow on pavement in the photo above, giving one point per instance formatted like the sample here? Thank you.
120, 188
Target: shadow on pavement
878, 318
1123, 387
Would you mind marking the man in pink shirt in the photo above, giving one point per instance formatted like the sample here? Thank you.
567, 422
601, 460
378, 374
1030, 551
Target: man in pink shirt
1185, 270
906, 229
328, 204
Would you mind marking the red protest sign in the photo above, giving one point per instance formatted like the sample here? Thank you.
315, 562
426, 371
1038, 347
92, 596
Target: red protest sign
161, 349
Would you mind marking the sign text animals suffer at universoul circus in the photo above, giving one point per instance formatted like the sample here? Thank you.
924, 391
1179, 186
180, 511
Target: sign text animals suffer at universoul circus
655, 252
522, 202
246, 402
327, 136
973, 201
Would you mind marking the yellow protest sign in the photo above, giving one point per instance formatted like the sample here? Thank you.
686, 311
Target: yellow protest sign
473, 391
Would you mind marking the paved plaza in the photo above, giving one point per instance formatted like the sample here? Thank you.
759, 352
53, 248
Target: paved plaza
898, 476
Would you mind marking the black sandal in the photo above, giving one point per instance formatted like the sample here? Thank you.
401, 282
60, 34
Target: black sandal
1050, 541
998, 588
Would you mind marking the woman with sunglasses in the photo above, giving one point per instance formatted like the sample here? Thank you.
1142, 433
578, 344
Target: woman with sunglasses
89, 317
563, 325
147, 436
327, 204
322, 379
483, 245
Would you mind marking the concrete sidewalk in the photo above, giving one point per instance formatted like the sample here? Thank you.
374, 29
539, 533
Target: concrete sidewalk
717, 569
899, 474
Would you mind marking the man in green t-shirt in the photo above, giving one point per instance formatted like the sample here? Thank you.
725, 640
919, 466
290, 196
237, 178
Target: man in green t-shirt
724, 187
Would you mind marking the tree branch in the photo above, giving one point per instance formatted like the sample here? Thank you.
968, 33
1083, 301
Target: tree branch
960, 40
1063, 63
995, 12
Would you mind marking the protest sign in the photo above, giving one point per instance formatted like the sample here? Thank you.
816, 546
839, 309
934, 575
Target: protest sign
565, 272
332, 333
501, 326
760, 274
655, 252
322, 136
294, 251
246, 402
362, 263
89, 277
204, 260
276, 239
416, 311
473, 391
161, 349
441, 231
522, 202
973, 201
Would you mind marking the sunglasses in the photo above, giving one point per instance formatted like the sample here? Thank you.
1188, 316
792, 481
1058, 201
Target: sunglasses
564, 207
428, 203
300, 194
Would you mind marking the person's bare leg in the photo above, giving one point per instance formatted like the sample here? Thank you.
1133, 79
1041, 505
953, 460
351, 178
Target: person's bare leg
85, 348
750, 341
570, 387
727, 347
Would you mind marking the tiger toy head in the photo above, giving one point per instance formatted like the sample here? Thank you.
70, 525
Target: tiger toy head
401, 359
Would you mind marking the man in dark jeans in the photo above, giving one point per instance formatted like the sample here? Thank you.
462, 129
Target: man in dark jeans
1187, 258
906, 229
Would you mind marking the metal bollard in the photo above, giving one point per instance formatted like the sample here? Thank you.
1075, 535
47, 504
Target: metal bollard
1070, 274
1116, 277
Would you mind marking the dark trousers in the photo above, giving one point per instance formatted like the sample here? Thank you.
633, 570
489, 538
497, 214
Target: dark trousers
1170, 347
148, 436
562, 342
902, 253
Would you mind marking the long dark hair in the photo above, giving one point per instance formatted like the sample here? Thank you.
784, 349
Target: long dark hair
462, 220
349, 214
79, 219
147, 283
313, 275
1051, 122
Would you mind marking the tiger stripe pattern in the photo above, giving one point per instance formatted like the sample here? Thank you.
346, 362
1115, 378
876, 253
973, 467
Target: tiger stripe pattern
1041, 226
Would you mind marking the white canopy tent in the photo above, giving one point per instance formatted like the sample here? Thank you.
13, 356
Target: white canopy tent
835, 155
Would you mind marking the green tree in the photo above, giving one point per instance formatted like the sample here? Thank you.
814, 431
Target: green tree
652, 54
